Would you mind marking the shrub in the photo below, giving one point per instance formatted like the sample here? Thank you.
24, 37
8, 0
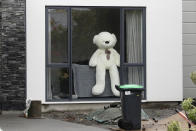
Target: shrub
174, 126
187, 104
192, 115
189, 109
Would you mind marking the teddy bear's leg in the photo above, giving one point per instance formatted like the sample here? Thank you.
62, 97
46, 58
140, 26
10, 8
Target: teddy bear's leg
114, 76
99, 87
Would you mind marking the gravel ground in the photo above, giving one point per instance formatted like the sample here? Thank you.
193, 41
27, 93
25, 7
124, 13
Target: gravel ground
161, 111
75, 117
156, 111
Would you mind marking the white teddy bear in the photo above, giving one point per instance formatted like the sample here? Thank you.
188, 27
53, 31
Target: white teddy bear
105, 58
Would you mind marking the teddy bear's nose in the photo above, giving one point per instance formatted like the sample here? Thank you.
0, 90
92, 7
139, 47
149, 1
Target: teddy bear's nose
107, 42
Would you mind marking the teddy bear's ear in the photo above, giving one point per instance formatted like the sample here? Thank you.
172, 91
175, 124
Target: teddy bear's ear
114, 37
95, 39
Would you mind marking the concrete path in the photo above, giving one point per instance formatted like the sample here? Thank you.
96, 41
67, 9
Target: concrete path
12, 122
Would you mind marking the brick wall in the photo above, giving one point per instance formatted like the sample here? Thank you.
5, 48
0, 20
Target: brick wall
12, 53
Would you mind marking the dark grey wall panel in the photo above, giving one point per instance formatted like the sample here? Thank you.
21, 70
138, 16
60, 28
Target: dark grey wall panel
188, 83
187, 70
189, 5
189, 60
12, 54
189, 50
190, 92
189, 17
189, 28
189, 46
189, 39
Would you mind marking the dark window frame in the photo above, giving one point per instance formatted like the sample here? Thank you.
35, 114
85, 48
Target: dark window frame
68, 65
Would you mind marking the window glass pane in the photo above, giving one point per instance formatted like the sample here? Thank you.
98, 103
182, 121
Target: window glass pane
57, 36
133, 36
87, 22
133, 75
57, 83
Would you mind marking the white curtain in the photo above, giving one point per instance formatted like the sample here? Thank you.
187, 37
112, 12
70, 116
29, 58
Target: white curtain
134, 46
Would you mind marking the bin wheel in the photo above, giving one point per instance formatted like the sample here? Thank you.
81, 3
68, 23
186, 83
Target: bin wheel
125, 124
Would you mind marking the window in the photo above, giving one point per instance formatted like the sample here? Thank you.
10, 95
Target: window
133, 47
69, 46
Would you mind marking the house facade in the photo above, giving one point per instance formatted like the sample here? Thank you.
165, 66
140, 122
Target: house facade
50, 64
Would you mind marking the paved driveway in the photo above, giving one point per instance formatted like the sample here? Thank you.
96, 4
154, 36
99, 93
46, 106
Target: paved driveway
12, 122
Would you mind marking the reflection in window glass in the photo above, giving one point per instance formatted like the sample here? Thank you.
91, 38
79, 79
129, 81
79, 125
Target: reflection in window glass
57, 36
87, 22
58, 83
133, 36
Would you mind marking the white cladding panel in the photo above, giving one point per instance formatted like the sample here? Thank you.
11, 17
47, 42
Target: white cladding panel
163, 45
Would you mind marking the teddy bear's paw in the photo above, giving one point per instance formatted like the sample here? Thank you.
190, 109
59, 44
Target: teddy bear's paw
92, 64
116, 92
97, 90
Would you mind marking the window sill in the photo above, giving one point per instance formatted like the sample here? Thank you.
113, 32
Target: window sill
85, 101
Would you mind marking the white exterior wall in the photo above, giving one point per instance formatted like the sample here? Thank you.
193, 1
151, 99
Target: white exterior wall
163, 45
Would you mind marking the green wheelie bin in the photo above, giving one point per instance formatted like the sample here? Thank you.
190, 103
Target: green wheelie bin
131, 106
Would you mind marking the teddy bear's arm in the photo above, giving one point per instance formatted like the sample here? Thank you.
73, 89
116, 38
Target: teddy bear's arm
117, 57
93, 59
